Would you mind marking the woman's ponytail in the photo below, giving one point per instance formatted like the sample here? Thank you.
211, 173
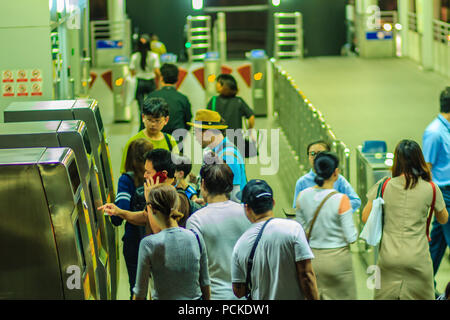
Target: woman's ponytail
319, 180
325, 164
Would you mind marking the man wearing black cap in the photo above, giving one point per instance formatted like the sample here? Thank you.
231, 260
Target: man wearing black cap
280, 268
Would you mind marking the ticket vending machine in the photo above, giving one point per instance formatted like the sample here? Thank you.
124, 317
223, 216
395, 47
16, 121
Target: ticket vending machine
88, 111
74, 135
48, 249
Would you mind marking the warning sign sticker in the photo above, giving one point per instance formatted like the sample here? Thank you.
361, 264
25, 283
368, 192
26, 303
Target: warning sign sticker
8, 90
22, 76
7, 76
36, 75
36, 89
22, 90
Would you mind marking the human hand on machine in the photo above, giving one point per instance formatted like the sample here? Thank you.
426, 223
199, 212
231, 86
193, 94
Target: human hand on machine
110, 209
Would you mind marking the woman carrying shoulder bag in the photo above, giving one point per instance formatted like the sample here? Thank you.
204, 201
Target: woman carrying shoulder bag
326, 217
406, 270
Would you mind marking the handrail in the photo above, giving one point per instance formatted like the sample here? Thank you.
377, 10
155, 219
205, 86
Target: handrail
441, 31
301, 122
412, 21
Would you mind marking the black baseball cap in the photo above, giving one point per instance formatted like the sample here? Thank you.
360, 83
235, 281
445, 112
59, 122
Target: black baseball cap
256, 193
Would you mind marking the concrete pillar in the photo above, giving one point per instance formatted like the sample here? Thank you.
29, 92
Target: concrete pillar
116, 10
403, 9
424, 10
362, 5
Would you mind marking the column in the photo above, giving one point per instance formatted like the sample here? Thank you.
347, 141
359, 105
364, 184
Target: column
403, 8
425, 28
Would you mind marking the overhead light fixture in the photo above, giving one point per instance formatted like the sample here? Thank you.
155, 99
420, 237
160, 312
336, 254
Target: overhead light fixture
197, 4
276, 3
387, 27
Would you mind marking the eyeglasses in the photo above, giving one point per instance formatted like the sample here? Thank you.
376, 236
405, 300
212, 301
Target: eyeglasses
314, 153
155, 121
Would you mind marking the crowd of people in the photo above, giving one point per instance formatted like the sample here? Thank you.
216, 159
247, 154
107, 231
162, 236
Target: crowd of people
218, 238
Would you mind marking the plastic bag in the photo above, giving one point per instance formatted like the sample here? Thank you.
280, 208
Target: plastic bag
373, 228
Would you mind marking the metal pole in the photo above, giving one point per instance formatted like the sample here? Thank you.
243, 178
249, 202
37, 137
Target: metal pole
222, 36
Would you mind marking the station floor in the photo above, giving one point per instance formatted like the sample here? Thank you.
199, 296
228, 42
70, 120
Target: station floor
388, 99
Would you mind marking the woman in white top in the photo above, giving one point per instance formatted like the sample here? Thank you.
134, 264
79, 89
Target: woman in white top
331, 232
174, 257
144, 65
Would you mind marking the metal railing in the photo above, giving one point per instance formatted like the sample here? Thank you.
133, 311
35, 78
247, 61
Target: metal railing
106, 30
412, 21
288, 35
199, 37
302, 123
441, 35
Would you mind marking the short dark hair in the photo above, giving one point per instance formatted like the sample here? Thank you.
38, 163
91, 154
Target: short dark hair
325, 163
183, 164
218, 178
169, 73
445, 100
161, 160
229, 85
155, 107
321, 142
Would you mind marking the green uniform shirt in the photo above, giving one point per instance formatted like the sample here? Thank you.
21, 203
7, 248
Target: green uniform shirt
157, 144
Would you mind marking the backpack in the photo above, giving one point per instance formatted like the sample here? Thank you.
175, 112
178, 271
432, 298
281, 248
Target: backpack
193, 206
137, 203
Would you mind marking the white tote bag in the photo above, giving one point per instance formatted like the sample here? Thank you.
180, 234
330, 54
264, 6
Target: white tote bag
373, 228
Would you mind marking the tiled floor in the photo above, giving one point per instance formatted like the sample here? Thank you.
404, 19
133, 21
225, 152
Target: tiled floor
386, 99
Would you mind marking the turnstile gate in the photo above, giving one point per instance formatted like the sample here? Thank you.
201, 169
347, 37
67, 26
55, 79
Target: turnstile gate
48, 250
73, 134
88, 111
370, 168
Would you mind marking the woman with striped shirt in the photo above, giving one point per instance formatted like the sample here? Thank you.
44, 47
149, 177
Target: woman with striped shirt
128, 183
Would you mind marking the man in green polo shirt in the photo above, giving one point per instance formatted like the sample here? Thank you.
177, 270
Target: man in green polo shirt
155, 115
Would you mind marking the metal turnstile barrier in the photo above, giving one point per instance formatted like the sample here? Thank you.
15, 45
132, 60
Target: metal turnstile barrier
88, 111
377, 39
199, 37
120, 84
288, 35
74, 135
370, 168
48, 249
108, 40
258, 59
212, 69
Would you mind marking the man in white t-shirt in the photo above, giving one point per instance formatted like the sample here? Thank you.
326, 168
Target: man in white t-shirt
220, 223
281, 267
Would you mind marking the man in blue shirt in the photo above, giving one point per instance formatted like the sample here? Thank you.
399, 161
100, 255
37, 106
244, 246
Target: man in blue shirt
209, 129
306, 181
436, 151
